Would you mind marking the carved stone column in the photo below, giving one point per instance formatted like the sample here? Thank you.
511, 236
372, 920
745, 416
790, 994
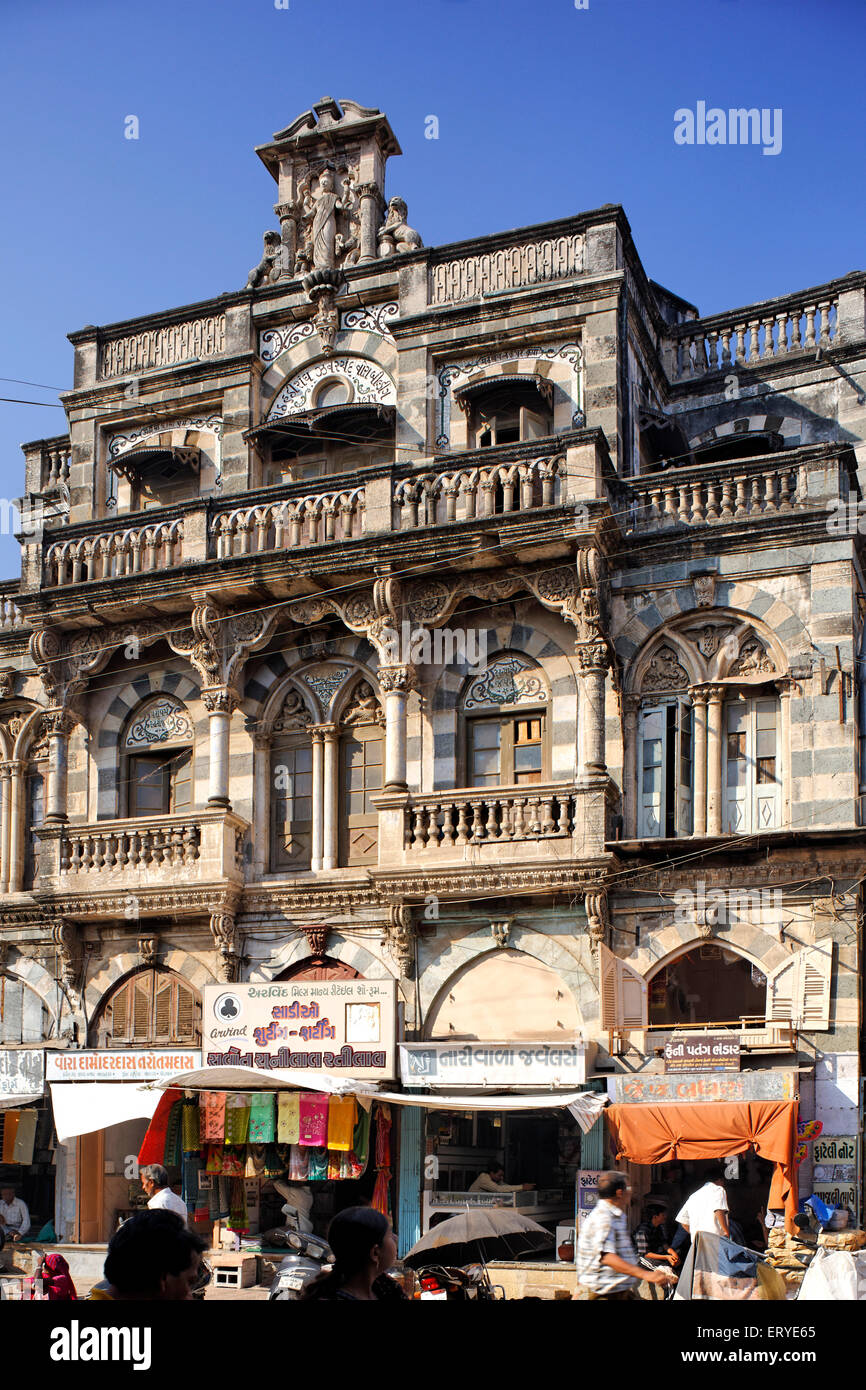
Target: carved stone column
288, 215
5, 798
699, 707
261, 801
371, 216
331, 795
57, 724
227, 941
715, 744
395, 682
593, 661
317, 850
219, 701
17, 824
630, 770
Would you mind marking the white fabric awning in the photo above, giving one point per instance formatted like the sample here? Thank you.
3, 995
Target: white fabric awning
16, 1102
81, 1107
243, 1079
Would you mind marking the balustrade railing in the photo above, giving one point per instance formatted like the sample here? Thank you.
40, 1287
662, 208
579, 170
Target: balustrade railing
312, 520
459, 494
11, 617
724, 342
701, 497
111, 555
473, 817
55, 464
130, 845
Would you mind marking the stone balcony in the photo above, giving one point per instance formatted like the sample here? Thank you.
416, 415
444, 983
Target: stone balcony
540, 823
141, 853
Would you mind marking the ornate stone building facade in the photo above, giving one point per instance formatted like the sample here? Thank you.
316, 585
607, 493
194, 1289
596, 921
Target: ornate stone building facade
459, 615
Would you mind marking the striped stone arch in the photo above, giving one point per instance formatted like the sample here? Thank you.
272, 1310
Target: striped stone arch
455, 954
699, 668
351, 953
43, 984
558, 667
194, 971
762, 607
352, 343
128, 699
19, 746
273, 671
674, 940
786, 425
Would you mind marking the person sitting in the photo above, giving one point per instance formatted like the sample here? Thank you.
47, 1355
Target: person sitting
650, 1238
492, 1179
14, 1214
153, 1257
57, 1285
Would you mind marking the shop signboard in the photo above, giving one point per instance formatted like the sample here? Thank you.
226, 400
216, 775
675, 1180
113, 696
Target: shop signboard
587, 1193
702, 1052
22, 1072
493, 1064
124, 1064
658, 1089
835, 1158
338, 1027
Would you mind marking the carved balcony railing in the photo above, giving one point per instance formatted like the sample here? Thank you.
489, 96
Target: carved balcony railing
112, 554
759, 334
478, 490
718, 493
11, 617
198, 847
315, 519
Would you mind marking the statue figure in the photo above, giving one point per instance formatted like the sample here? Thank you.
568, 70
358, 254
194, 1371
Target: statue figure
396, 235
324, 245
268, 269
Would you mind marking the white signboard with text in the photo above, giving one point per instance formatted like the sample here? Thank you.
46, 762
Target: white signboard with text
493, 1064
125, 1064
22, 1072
346, 1027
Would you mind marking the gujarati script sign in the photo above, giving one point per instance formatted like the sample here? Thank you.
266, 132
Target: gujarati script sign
702, 1052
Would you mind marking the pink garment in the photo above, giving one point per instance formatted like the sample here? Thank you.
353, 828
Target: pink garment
314, 1119
213, 1109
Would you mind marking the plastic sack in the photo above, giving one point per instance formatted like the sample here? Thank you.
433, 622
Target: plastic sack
834, 1276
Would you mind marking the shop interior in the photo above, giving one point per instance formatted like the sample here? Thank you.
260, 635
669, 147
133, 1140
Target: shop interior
32, 1174
747, 1187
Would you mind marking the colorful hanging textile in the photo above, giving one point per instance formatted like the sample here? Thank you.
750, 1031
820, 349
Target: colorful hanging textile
262, 1118
173, 1155
214, 1159
225, 1201
342, 1113
213, 1108
192, 1166
289, 1118
360, 1144
333, 1165
237, 1119
10, 1131
299, 1164
381, 1192
255, 1165
238, 1220
213, 1201
25, 1138
190, 1128
318, 1165
153, 1144
233, 1163
314, 1119
274, 1165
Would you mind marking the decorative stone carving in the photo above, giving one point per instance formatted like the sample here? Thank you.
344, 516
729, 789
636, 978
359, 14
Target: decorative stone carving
164, 721
122, 443
294, 716
709, 638
510, 680
592, 657
273, 342
665, 673
330, 221
500, 930
324, 682
159, 347
366, 383
396, 678
754, 660
66, 937
227, 942
467, 277
363, 707
267, 272
7, 682
396, 235
597, 917
705, 589
148, 948
372, 319
316, 938
399, 938
220, 699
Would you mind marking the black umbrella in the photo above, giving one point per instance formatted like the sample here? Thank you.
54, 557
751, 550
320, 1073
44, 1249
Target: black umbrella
480, 1233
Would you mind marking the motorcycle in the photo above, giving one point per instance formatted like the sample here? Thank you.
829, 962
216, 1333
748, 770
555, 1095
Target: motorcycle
309, 1256
469, 1284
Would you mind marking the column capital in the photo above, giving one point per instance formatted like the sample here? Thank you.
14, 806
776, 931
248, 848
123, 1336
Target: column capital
327, 731
592, 657
220, 699
698, 694
400, 679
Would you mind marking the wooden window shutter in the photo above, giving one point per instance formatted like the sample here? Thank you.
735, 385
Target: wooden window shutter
163, 1011
814, 978
623, 994
781, 990
142, 993
186, 1014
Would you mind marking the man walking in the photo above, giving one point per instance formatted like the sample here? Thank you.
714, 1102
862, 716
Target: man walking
606, 1261
154, 1180
707, 1208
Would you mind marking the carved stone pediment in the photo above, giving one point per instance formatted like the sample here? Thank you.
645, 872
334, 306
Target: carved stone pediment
665, 672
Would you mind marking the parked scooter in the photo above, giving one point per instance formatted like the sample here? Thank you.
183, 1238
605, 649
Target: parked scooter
309, 1255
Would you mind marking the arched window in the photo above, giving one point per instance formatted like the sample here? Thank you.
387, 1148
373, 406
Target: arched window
291, 786
151, 1008
362, 757
665, 768
157, 758
23, 1015
507, 414
36, 780
505, 712
707, 984
752, 782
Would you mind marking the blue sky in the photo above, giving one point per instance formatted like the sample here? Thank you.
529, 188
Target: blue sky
544, 110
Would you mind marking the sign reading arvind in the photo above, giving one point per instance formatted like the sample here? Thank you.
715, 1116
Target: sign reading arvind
340, 1026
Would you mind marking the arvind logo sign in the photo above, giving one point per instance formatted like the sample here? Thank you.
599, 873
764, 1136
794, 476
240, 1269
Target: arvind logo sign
334, 1026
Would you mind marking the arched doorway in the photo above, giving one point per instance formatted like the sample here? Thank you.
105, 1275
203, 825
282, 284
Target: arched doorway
319, 968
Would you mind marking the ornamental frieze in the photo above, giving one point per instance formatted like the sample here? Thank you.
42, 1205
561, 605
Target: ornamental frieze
162, 347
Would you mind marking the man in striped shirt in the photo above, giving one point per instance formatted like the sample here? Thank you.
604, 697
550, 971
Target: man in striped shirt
606, 1258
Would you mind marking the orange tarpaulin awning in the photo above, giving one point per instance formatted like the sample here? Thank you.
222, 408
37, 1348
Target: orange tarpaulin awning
659, 1133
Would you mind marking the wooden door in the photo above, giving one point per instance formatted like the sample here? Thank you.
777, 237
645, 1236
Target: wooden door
91, 1159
